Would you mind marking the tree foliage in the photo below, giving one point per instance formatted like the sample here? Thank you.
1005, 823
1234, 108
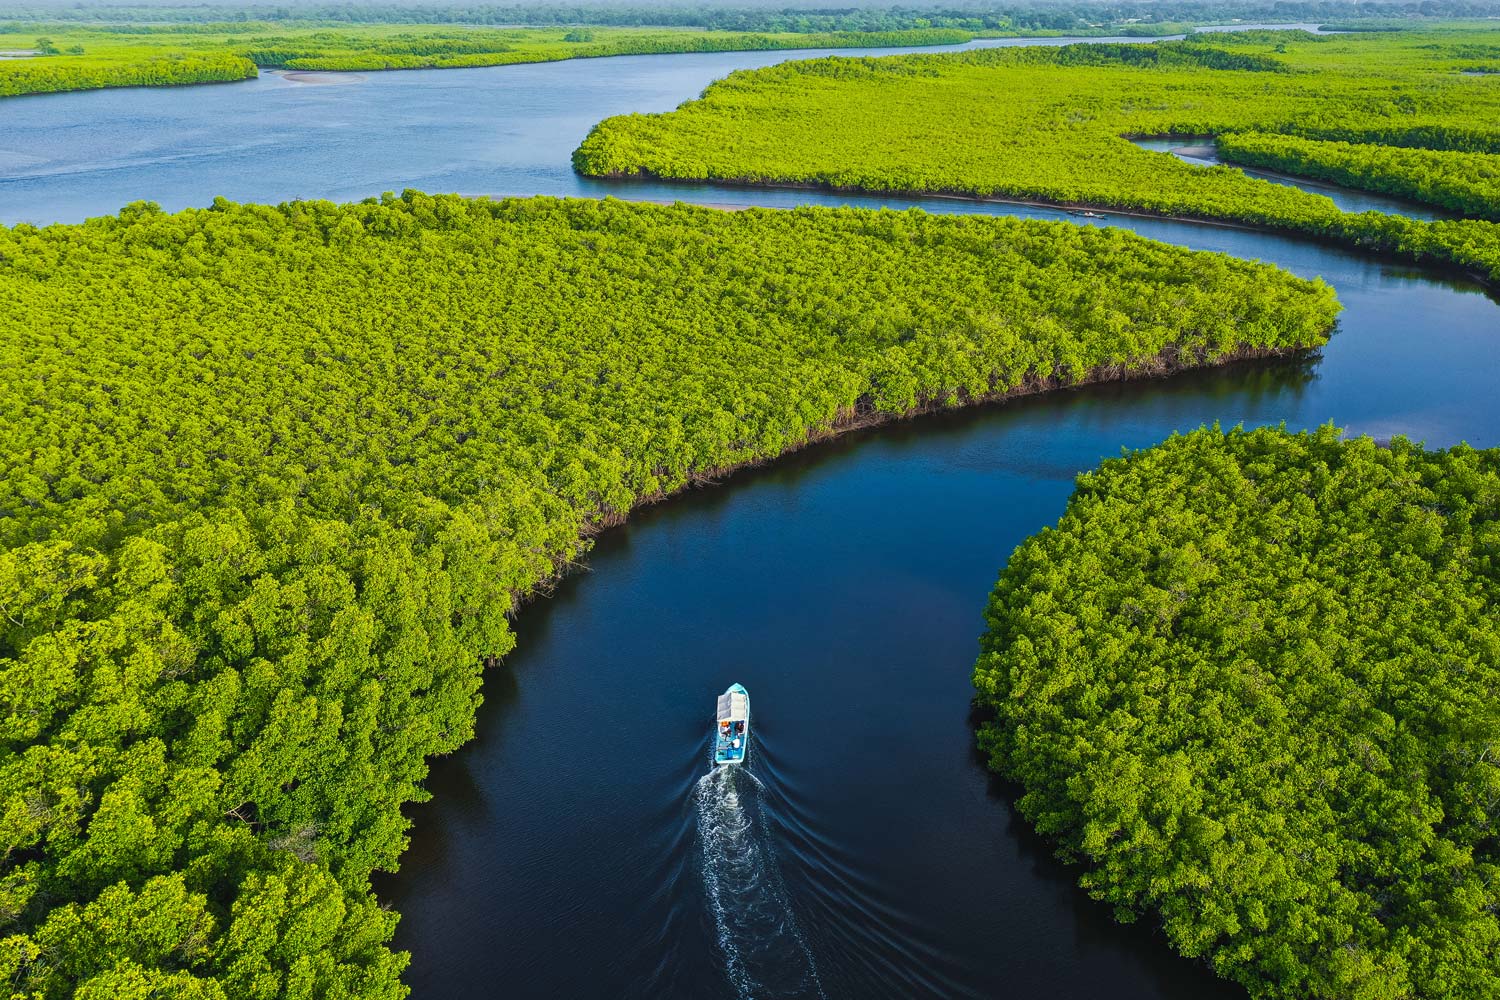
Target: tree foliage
276, 477
86, 72
1250, 680
449, 50
1053, 124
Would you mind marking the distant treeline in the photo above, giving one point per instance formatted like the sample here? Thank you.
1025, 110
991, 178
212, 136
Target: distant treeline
87, 57
346, 52
972, 17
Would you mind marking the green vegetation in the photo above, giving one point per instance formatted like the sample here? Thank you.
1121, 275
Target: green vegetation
122, 46
1037, 16
1048, 124
1464, 182
119, 46
138, 55
276, 477
375, 49
85, 72
1250, 680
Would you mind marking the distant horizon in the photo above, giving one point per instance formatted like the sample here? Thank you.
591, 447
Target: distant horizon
1289, 10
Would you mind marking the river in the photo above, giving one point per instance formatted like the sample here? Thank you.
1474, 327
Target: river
574, 849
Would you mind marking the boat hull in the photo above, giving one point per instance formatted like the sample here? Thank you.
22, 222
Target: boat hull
731, 732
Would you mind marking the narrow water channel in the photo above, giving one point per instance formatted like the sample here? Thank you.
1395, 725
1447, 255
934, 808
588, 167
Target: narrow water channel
1203, 152
574, 850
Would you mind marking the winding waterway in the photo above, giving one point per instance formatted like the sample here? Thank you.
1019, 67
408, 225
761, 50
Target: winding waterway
1204, 152
574, 850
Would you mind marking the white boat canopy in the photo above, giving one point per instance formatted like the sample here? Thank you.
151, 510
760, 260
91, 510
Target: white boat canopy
734, 707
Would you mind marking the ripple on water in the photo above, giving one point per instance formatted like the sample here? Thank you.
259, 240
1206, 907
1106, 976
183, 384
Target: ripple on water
766, 956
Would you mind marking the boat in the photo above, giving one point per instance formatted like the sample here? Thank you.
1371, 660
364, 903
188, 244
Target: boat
732, 728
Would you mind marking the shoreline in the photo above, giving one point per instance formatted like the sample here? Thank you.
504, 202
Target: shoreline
128, 86
1206, 147
1490, 285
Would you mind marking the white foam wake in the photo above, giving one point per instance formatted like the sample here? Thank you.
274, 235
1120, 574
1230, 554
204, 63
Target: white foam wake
766, 956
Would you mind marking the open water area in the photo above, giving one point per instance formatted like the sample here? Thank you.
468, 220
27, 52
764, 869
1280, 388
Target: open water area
576, 848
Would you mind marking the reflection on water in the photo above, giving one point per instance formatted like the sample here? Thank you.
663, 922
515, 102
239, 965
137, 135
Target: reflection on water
1247, 392
843, 585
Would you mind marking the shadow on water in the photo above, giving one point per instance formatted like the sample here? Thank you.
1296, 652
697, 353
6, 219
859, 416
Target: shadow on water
1255, 387
1095, 924
842, 584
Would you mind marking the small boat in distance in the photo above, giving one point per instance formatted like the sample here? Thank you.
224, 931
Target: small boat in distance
732, 729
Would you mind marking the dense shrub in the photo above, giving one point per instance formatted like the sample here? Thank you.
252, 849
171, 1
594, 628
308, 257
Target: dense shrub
1250, 680
1463, 182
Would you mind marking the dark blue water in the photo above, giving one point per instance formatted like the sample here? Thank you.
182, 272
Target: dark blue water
843, 586
575, 850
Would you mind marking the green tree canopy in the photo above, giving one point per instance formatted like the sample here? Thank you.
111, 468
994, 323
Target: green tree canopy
1250, 681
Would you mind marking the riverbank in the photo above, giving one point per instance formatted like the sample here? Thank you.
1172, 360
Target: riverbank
1350, 195
1240, 786
931, 125
83, 56
1457, 182
844, 578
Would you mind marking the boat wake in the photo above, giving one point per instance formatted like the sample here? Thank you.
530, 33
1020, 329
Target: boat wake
765, 953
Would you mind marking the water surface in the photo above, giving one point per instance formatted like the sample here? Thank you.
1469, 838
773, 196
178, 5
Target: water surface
499, 130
